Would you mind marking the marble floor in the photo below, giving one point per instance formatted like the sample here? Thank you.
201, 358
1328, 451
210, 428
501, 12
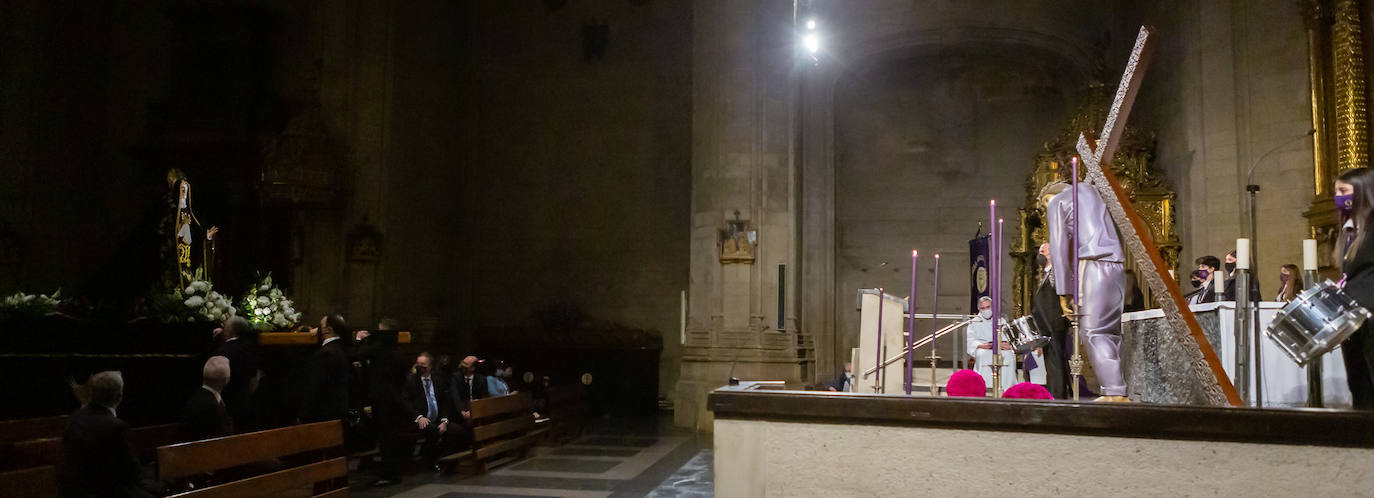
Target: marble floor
616, 458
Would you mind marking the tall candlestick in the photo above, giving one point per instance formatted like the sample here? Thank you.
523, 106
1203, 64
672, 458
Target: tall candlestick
1073, 261
878, 362
1309, 254
911, 323
934, 312
997, 317
993, 291
1243, 254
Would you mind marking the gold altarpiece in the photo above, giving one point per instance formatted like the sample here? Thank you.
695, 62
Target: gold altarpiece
1133, 164
1339, 82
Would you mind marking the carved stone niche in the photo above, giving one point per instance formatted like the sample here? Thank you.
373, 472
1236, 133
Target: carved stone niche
1146, 186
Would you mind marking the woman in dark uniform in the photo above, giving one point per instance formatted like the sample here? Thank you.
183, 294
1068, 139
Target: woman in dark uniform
1355, 252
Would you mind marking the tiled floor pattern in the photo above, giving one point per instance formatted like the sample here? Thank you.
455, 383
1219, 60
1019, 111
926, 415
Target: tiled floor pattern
611, 462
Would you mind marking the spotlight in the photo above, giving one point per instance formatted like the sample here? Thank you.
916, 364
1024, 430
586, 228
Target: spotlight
811, 42
810, 24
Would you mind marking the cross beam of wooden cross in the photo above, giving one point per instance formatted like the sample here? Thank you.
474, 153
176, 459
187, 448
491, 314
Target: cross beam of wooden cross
1204, 366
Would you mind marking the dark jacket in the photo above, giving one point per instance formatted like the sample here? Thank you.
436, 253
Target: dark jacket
243, 366
325, 392
416, 404
1208, 292
1229, 291
1359, 272
98, 460
462, 399
203, 417
1050, 322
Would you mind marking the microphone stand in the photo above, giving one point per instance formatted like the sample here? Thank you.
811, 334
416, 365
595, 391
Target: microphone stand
1253, 308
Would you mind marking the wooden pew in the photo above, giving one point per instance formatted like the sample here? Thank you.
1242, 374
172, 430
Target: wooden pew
32, 428
36, 482
143, 441
318, 446
501, 426
568, 411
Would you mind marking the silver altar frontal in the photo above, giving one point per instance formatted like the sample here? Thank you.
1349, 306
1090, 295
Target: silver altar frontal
1152, 360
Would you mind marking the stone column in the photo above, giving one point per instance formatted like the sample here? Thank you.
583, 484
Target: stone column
742, 179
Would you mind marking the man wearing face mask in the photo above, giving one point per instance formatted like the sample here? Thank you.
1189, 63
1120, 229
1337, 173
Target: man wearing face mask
1204, 290
430, 408
1049, 318
979, 342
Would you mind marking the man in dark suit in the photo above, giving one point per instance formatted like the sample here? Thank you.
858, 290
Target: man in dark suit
467, 385
1049, 318
430, 408
95, 447
1204, 280
239, 348
385, 380
325, 394
205, 416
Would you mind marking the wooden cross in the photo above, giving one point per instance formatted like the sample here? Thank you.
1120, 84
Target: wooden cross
1204, 366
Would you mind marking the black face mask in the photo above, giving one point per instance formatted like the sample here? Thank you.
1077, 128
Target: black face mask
1230, 267
422, 370
1197, 283
1041, 260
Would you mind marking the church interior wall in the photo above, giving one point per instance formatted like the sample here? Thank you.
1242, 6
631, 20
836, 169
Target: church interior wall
922, 144
1227, 86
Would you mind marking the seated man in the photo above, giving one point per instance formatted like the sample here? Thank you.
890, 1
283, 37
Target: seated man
845, 381
95, 447
204, 416
980, 343
430, 408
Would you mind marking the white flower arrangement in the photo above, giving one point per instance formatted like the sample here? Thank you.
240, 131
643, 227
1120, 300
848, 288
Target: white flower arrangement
204, 302
269, 308
36, 304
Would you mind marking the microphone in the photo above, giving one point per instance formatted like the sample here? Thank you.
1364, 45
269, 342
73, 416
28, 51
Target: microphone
1250, 175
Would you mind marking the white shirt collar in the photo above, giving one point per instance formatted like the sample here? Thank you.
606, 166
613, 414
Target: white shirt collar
1349, 224
212, 390
231, 339
329, 340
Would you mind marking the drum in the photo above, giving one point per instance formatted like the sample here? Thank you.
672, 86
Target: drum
1316, 322
1023, 336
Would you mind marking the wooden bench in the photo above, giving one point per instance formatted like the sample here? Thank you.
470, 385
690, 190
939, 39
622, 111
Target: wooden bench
143, 441
568, 412
32, 428
501, 426
315, 449
36, 482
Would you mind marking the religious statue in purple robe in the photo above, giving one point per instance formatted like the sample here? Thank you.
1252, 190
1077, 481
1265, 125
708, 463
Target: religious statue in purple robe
1101, 282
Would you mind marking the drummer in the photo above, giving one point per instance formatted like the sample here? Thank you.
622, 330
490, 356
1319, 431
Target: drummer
980, 344
1355, 252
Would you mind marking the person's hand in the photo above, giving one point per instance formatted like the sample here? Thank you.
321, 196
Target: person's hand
422, 422
1066, 305
1006, 346
443, 426
467, 414
986, 345
360, 335
832, 388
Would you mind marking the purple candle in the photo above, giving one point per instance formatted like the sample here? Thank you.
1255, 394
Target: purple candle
878, 363
911, 322
934, 308
1073, 261
994, 271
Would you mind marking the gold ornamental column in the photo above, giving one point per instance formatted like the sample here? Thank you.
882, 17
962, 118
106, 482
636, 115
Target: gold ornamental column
1352, 134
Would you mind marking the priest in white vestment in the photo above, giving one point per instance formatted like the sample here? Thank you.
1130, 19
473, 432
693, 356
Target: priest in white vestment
979, 337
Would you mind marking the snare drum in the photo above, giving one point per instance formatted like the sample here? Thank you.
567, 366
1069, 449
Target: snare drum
1023, 335
1316, 322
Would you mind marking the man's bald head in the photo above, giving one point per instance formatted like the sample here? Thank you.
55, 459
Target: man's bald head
469, 364
216, 372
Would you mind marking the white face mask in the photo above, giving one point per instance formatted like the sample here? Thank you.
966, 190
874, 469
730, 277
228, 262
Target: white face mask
986, 314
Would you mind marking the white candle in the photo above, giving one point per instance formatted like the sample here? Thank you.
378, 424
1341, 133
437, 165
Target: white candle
682, 320
1243, 254
1309, 254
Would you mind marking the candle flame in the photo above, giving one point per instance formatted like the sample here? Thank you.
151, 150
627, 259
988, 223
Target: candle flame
913, 253
937, 255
